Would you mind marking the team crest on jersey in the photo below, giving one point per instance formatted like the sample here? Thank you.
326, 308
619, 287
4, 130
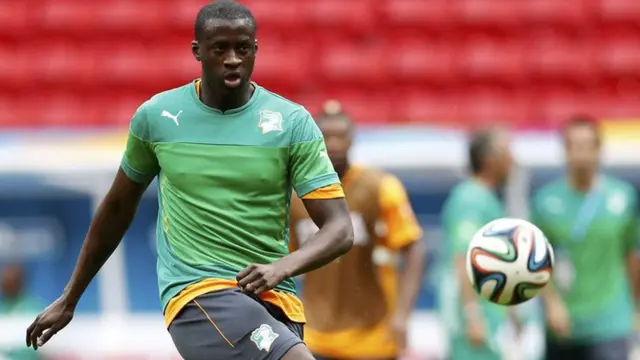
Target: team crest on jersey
263, 337
270, 121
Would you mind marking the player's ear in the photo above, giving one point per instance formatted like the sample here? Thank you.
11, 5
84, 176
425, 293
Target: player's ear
195, 49
255, 44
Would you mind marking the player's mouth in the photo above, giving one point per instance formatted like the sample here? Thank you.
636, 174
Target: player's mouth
232, 79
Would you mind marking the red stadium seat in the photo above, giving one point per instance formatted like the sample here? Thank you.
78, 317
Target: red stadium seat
420, 61
492, 59
619, 11
16, 19
492, 105
432, 106
558, 58
501, 15
565, 13
618, 105
555, 105
619, 55
349, 17
417, 14
353, 64
15, 67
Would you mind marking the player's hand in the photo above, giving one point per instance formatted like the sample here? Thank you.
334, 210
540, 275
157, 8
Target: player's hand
558, 319
258, 278
476, 332
398, 328
53, 319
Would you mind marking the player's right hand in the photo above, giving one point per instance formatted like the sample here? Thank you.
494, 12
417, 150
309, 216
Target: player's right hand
53, 319
558, 319
475, 332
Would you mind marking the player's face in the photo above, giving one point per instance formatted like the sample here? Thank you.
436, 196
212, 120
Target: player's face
503, 155
337, 136
582, 148
227, 51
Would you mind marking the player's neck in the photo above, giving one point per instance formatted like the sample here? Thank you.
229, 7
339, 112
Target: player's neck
225, 100
581, 180
486, 181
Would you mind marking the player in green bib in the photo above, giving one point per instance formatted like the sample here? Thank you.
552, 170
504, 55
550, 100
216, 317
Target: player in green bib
591, 221
226, 153
475, 326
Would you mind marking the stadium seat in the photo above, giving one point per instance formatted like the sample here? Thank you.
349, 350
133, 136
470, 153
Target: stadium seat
619, 54
553, 57
500, 15
565, 13
619, 12
355, 17
492, 59
417, 15
16, 19
420, 61
16, 69
554, 105
616, 105
353, 64
493, 105
431, 106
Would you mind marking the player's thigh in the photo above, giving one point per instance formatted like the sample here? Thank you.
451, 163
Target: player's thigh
230, 325
615, 349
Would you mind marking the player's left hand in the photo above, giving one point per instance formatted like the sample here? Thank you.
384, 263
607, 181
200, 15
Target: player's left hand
398, 328
258, 278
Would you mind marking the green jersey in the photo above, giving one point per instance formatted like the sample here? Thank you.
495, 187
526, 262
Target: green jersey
469, 207
224, 181
592, 234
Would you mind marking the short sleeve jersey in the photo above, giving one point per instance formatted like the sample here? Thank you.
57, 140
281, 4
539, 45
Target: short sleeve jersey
469, 207
591, 234
224, 181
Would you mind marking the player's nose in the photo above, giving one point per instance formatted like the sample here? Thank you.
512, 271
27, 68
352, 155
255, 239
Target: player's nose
232, 61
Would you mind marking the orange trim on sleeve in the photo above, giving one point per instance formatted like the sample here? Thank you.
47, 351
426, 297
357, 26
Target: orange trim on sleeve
402, 225
328, 192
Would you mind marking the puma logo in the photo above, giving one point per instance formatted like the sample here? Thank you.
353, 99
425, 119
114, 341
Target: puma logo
165, 113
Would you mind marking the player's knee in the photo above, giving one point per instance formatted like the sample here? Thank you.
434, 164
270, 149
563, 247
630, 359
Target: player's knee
298, 352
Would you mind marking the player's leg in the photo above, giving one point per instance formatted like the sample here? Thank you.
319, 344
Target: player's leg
615, 349
227, 324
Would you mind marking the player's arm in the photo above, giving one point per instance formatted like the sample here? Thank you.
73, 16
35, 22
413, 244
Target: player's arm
112, 219
468, 221
404, 235
317, 184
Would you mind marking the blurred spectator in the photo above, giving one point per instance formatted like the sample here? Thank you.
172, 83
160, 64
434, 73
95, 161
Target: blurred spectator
14, 300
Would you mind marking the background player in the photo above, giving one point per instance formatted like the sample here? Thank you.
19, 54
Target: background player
220, 147
475, 326
591, 220
358, 307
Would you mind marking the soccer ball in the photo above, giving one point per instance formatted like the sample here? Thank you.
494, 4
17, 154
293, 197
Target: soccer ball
509, 261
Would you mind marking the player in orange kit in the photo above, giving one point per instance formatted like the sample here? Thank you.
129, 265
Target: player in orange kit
358, 307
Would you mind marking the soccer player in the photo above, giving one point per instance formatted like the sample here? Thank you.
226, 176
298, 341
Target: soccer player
358, 307
591, 221
226, 153
475, 326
